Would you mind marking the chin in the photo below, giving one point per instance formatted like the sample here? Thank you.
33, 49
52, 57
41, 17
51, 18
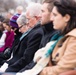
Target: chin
55, 28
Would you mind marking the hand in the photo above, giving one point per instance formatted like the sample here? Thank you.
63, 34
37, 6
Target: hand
38, 59
4, 67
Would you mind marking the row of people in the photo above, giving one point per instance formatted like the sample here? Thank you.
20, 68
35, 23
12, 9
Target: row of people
54, 57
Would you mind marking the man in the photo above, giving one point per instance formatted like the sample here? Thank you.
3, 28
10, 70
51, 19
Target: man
47, 27
24, 55
46, 23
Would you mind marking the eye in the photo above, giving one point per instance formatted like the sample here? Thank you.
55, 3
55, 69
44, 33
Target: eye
54, 14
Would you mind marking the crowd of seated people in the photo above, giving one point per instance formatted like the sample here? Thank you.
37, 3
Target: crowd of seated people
46, 40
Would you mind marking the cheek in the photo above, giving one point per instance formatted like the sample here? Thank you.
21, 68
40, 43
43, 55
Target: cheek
59, 24
44, 15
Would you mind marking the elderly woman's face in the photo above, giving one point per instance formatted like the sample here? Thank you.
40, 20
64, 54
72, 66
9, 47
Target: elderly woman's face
59, 21
23, 28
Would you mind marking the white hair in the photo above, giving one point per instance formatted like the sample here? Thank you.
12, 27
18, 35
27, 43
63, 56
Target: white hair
34, 9
19, 8
22, 19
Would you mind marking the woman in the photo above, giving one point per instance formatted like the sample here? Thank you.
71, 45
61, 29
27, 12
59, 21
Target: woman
1, 29
8, 35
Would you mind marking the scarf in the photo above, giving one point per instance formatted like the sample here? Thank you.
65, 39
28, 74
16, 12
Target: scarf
48, 49
24, 34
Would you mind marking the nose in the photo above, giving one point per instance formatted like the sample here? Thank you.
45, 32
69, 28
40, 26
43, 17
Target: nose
19, 30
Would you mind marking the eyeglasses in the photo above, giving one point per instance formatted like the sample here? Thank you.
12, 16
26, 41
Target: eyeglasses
20, 27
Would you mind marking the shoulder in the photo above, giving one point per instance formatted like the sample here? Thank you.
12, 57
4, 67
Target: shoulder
37, 30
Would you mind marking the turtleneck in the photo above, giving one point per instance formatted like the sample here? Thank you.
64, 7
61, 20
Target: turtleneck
48, 27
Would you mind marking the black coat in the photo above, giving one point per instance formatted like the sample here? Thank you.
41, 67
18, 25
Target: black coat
24, 51
48, 33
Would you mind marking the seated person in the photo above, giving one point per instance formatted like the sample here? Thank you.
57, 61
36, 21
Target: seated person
8, 35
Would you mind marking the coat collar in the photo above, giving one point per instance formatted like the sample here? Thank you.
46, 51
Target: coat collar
72, 33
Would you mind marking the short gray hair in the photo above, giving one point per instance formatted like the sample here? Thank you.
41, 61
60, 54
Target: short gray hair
34, 9
22, 20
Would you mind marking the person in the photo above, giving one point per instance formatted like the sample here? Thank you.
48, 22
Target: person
60, 53
15, 28
17, 34
33, 16
22, 57
1, 18
71, 72
19, 9
1, 29
8, 35
47, 25
9, 14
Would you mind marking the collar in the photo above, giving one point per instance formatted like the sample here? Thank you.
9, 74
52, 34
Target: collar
48, 27
72, 33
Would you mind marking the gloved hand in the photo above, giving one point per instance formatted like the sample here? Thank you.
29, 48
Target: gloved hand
4, 67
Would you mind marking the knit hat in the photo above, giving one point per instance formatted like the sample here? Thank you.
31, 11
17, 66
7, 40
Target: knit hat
13, 19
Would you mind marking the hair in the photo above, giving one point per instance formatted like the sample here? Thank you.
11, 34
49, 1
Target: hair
34, 9
67, 7
1, 27
50, 4
22, 19
2, 18
19, 8
6, 21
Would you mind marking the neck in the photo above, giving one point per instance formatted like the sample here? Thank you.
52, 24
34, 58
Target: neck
48, 27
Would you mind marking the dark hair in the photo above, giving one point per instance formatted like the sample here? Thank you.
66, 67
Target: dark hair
1, 27
67, 7
6, 21
1, 18
50, 4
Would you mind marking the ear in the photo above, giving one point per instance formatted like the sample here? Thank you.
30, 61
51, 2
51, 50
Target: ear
67, 17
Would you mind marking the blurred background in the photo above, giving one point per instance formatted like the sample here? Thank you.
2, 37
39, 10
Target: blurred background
10, 5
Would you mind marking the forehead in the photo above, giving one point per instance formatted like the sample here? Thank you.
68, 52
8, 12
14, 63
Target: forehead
55, 10
28, 14
4, 24
44, 6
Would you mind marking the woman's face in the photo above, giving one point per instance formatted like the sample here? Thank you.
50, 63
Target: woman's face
6, 27
59, 21
23, 28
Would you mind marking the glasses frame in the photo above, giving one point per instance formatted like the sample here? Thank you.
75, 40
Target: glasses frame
21, 26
